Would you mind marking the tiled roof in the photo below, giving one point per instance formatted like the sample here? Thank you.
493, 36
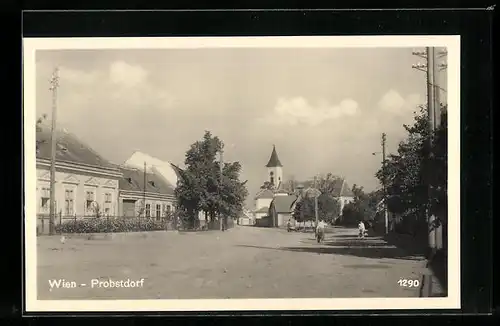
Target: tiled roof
133, 180
69, 148
340, 187
281, 191
283, 204
274, 161
262, 210
346, 190
264, 194
153, 165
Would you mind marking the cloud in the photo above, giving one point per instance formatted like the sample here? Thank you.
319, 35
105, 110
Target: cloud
122, 87
127, 75
73, 76
109, 99
297, 110
394, 103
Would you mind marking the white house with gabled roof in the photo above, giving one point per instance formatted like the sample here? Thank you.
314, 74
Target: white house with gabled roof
85, 182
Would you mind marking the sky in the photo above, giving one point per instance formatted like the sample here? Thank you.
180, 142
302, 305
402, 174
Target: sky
323, 109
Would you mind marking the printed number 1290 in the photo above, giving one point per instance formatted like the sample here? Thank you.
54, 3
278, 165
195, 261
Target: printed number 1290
408, 283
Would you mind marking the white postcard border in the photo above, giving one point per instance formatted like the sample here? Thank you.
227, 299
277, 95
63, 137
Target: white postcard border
452, 43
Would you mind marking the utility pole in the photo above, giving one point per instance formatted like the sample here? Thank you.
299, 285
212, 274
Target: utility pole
431, 87
435, 119
438, 67
384, 186
434, 115
429, 68
144, 192
54, 82
316, 213
437, 124
221, 166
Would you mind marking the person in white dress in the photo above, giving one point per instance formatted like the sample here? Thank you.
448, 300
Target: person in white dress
362, 229
320, 230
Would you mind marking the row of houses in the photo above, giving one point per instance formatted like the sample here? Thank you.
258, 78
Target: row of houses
275, 204
87, 184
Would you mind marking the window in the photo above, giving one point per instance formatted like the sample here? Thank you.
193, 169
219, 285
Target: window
69, 198
107, 203
89, 199
148, 210
45, 199
158, 212
169, 208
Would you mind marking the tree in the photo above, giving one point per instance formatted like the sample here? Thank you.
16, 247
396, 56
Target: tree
267, 185
292, 184
419, 165
203, 188
439, 182
327, 184
304, 210
234, 192
328, 209
328, 205
361, 209
39, 122
188, 194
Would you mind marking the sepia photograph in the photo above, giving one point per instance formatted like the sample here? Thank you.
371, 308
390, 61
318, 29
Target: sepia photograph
270, 173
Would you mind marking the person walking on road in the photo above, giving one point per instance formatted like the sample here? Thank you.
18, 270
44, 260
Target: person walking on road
320, 231
362, 230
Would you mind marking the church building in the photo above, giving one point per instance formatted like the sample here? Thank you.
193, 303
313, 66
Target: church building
274, 202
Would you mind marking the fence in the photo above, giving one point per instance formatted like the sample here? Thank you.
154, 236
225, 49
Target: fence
43, 222
213, 225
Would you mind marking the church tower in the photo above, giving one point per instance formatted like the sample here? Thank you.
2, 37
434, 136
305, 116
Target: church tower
274, 169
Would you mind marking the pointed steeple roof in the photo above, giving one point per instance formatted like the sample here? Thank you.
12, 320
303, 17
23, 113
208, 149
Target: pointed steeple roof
274, 161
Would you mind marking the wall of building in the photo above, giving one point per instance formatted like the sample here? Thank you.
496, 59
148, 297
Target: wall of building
276, 174
283, 219
152, 202
78, 184
262, 202
246, 221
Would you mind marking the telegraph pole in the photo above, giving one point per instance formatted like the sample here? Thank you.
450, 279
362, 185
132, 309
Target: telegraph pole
144, 192
221, 166
384, 186
438, 67
54, 82
429, 68
431, 87
437, 124
431, 107
316, 213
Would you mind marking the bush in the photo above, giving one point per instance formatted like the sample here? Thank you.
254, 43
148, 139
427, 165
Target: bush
115, 225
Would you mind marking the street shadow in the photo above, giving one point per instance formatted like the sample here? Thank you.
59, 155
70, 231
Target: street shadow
345, 236
417, 244
439, 267
360, 243
353, 250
